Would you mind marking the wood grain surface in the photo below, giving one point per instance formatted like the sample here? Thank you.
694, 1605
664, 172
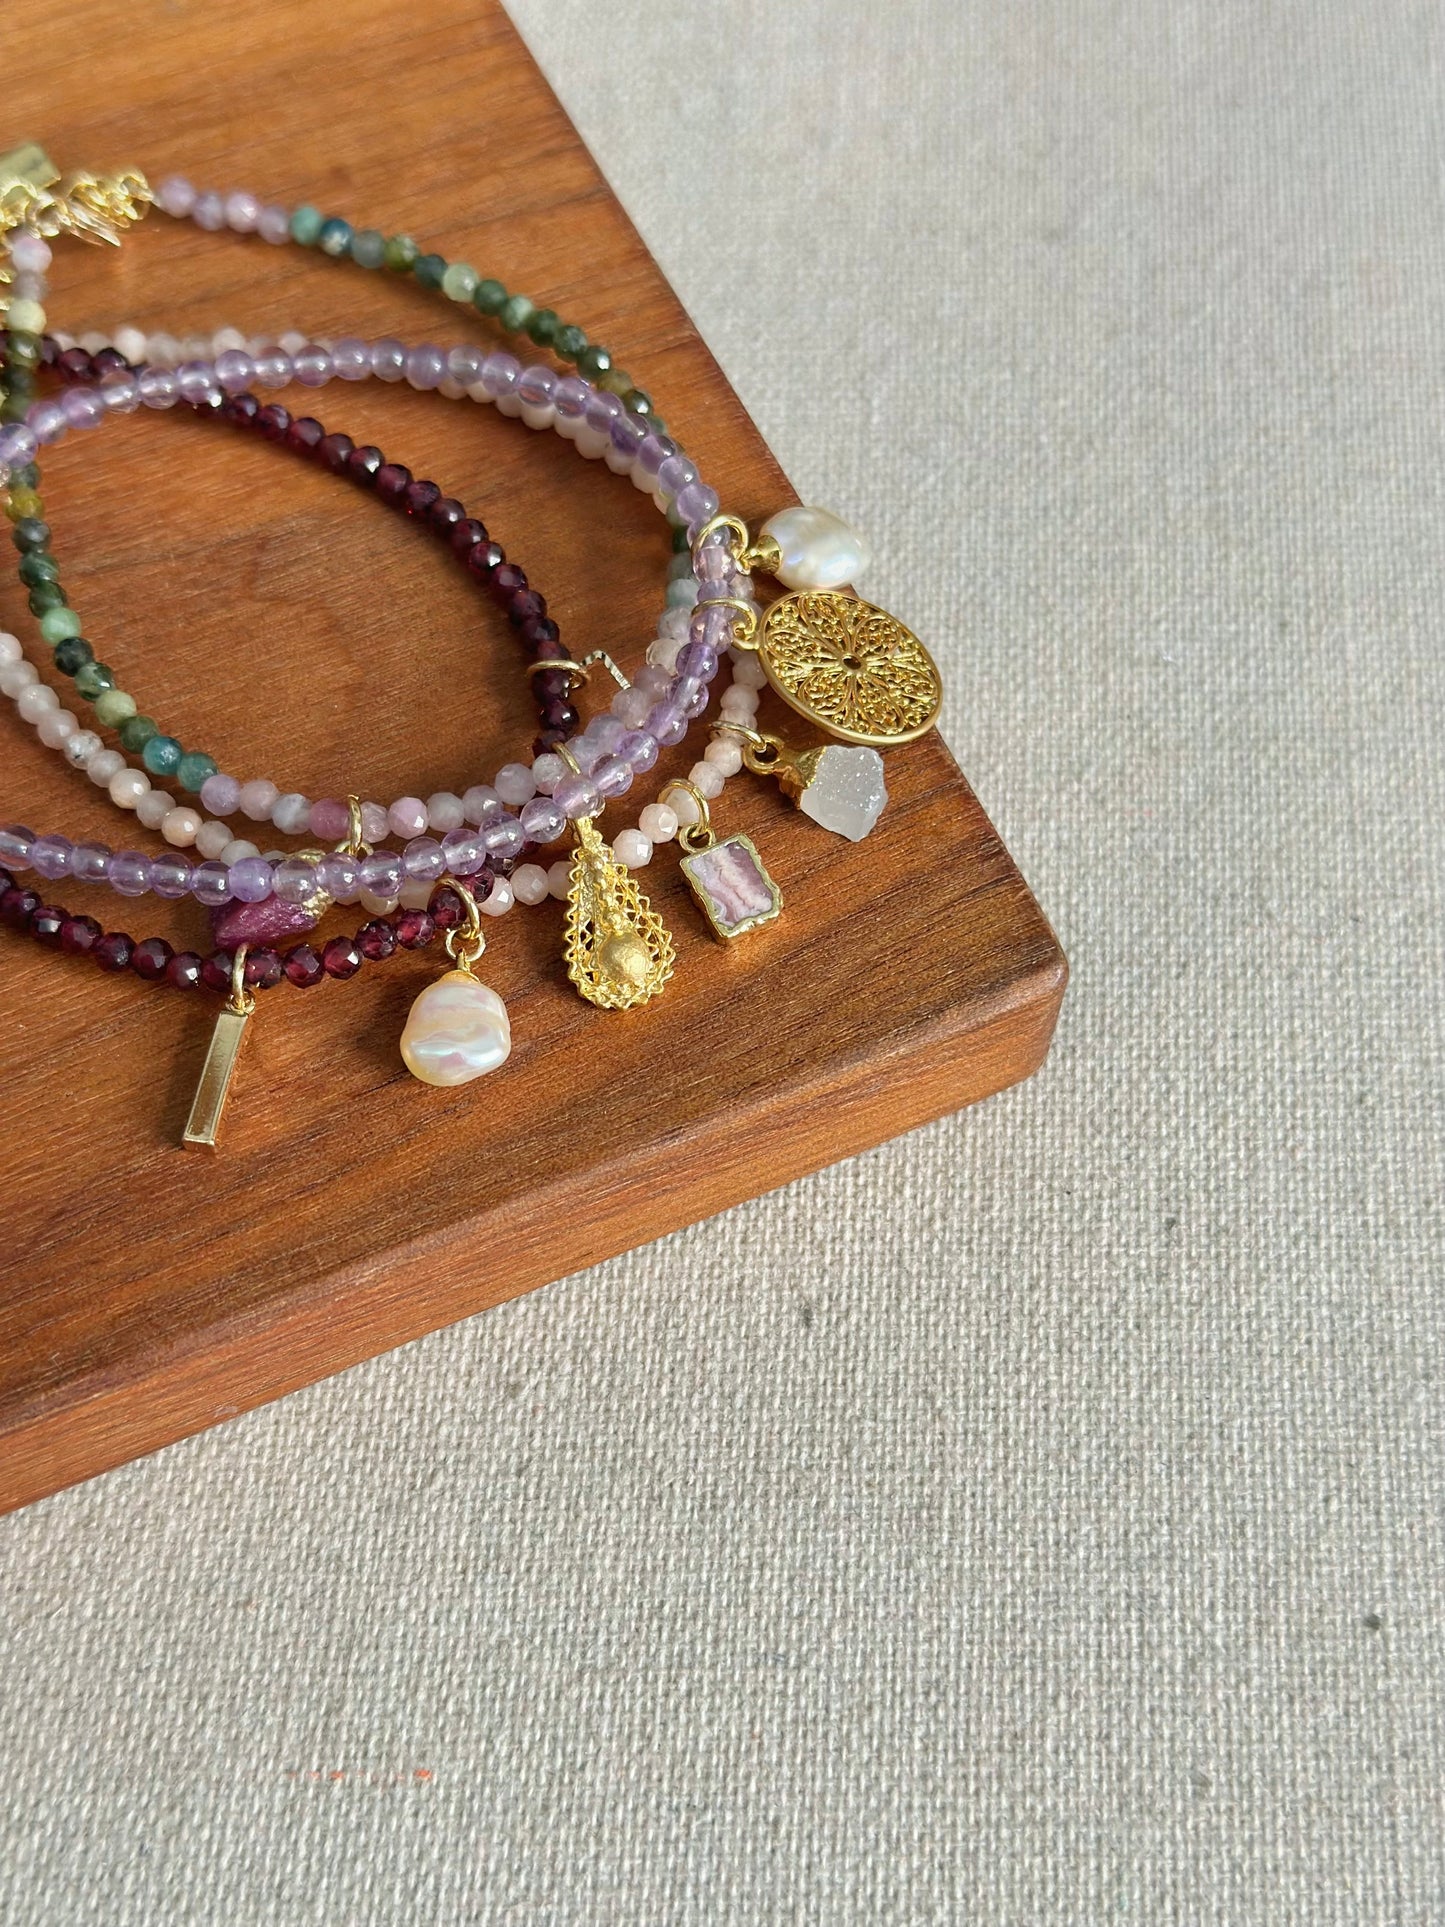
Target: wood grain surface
264, 611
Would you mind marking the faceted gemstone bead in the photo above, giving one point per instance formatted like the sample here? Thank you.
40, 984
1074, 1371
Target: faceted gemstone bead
506, 580
363, 462
18, 905
46, 923
415, 929
558, 713
151, 960
303, 966
445, 513
305, 433
216, 971
113, 951
161, 755
420, 496
525, 606
391, 481
273, 421
376, 940
183, 972
340, 957
466, 535
486, 559
78, 935
262, 969
335, 451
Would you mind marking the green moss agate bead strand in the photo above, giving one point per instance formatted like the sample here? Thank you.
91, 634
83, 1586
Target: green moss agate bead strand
332, 235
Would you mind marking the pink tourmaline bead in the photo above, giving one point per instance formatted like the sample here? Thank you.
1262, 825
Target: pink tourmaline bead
256, 798
273, 224
330, 820
221, 794
269, 921
242, 211
407, 816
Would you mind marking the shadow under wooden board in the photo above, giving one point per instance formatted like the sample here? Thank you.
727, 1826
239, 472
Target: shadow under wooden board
265, 612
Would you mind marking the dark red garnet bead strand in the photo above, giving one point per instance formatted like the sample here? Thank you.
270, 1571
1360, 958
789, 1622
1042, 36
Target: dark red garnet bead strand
421, 500
154, 960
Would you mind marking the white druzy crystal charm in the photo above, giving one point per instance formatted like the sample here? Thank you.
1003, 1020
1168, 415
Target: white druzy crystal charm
817, 549
840, 787
456, 1030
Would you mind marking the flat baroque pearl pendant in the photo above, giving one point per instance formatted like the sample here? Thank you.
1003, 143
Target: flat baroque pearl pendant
456, 1030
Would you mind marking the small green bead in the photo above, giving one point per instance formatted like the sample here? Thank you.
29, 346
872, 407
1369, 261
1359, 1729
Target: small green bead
161, 755
45, 597
114, 707
459, 283
30, 534
569, 341
137, 732
335, 237
680, 541
194, 768
514, 312
593, 363
636, 402
616, 381
542, 326
429, 269
401, 253
490, 297
23, 502
57, 624
368, 247
73, 655
306, 224
27, 477
25, 350
37, 567
93, 680
657, 425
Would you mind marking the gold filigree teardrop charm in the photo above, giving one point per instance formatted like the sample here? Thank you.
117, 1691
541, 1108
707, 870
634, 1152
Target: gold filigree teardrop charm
618, 950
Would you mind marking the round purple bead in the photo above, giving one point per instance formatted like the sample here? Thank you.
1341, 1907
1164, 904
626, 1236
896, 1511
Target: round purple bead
613, 776
464, 852
422, 860
314, 366
340, 876
171, 875
500, 373
667, 722
388, 359
381, 874
542, 821
129, 873
90, 862
351, 359
252, 879
503, 836
50, 855
16, 843
639, 747
426, 366
577, 796
211, 883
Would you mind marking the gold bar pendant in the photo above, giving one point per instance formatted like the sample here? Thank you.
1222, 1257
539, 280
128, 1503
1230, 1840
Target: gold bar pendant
210, 1100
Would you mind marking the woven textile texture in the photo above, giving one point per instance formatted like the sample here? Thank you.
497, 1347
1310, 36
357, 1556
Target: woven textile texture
1040, 1519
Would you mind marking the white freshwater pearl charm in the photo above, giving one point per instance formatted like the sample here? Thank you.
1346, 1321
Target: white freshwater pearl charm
817, 549
456, 1030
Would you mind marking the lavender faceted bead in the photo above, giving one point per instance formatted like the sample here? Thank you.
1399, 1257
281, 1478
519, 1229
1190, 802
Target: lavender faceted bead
16, 843
221, 794
211, 884
273, 224
129, 873
381, 874
463, 853
697, 659
480, 802
351, 359
639, 747
503, 836
291, 813
340, 876
171, 875
542, 820
208, 211
668, 723
251, 879
50, 855
422, 860
613, 776
243, 211
577, 796
388, 362
426, 366
89, 862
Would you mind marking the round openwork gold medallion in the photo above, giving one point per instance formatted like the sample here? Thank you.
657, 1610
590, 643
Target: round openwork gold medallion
852, 669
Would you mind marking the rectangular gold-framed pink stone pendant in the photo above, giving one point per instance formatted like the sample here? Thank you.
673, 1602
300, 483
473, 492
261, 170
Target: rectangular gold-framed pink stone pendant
732, 885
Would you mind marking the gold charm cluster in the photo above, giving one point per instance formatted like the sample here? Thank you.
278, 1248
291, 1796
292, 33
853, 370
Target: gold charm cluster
91, 207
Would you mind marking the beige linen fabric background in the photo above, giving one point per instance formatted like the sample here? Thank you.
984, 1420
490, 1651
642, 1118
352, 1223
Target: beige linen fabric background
1038, 1520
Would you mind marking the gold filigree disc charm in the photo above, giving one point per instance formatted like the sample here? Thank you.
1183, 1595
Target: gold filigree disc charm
618, 950
849, 667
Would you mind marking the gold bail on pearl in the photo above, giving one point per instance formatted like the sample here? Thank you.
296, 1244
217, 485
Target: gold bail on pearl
458, 1028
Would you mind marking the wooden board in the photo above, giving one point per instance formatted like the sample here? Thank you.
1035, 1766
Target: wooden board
303, 632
